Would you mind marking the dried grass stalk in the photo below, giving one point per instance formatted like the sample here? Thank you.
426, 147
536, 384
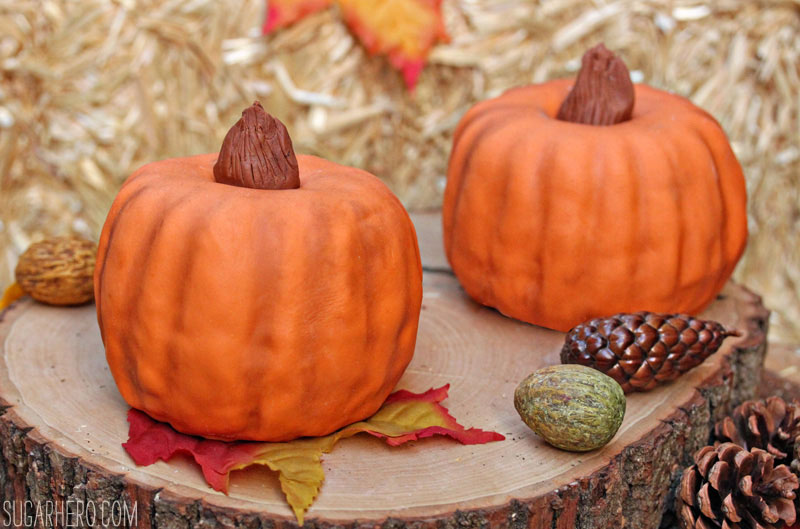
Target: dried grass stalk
93, 89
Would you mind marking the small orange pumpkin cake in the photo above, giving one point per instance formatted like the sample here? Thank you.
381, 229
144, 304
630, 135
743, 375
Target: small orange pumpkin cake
256, 294
576, 199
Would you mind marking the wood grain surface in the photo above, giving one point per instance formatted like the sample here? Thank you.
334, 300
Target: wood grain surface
63, 423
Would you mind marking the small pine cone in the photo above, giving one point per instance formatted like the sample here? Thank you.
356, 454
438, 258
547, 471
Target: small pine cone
733, 488
641, 350
772, 425
795, 466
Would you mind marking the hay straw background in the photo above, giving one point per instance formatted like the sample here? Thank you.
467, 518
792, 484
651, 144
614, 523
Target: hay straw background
92, 89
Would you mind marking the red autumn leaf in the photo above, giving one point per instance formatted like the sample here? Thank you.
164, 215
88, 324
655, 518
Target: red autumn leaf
403, 30
282, 13
404, 417
150, 441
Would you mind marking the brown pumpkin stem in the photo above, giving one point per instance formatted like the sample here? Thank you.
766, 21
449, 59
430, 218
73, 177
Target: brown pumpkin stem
603, 91
257, 153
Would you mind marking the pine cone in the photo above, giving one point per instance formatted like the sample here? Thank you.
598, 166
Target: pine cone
772, 425
733, 488
641, 350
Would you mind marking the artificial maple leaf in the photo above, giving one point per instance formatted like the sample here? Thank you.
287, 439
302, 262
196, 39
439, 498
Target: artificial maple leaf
403, 30
282, 13
404, 417
421, 415
11, 294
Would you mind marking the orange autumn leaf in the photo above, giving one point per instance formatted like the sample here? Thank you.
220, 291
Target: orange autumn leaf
282, 13
403, 30
11, 294
404, 417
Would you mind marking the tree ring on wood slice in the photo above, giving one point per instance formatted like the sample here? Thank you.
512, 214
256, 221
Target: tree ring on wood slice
63, 423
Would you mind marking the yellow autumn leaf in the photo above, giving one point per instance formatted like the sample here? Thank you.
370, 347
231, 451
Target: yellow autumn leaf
403, 30
404, 417
11, 294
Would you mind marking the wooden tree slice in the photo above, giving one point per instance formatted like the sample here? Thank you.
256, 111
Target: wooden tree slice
63, 423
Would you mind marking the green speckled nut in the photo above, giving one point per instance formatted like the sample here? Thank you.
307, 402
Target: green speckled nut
572, 407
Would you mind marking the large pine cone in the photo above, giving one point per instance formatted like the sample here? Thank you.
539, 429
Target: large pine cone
641, 350
733, 488
772, 425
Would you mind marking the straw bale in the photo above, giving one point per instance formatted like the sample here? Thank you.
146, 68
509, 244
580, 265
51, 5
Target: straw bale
92, 89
